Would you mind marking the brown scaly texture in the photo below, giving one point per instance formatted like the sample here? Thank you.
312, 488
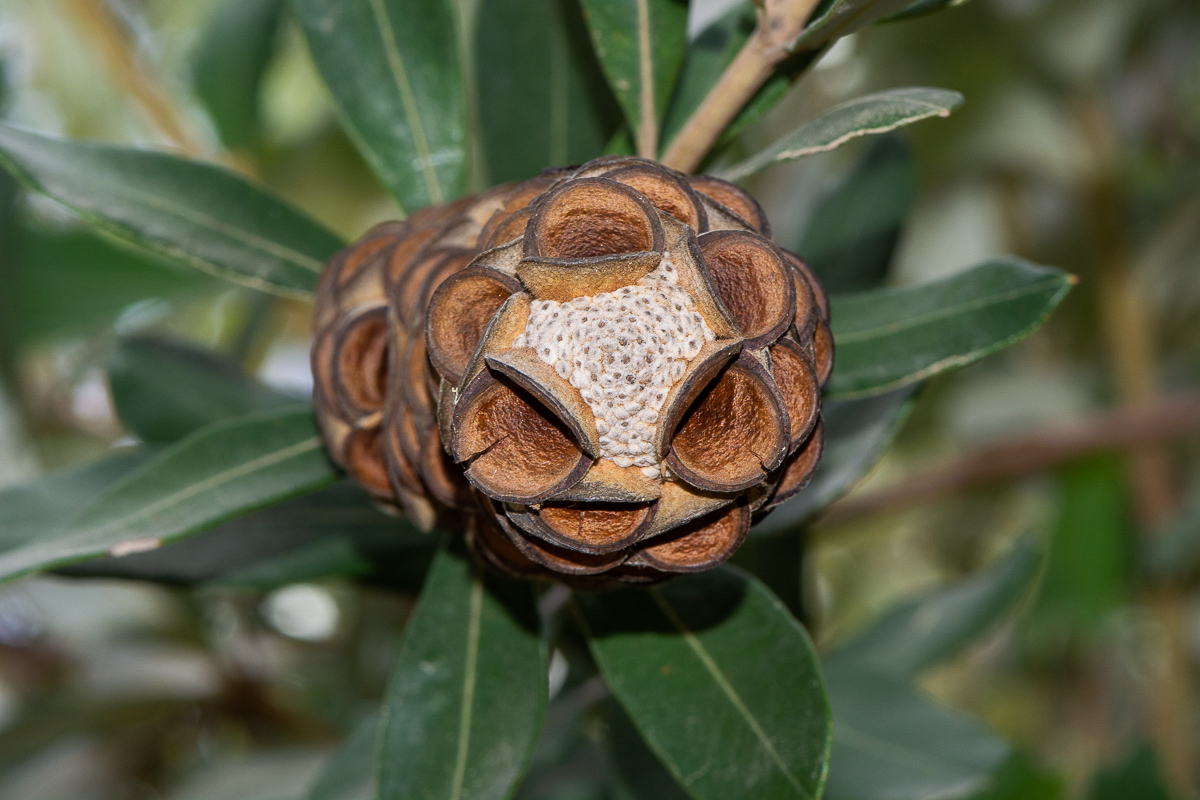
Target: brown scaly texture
602, 374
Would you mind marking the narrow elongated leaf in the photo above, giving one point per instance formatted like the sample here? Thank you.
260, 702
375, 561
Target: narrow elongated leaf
852, 234
892, 742
330, 533
468, 693
856, 434
542, 99
165, 390
195, 213
893, 337
1139, 776
350, 773
216, 473
926, 631
75, 282
919, 8
639, 774
874, 113
839, 18
640, 44
392, 67
721, 681
230, 63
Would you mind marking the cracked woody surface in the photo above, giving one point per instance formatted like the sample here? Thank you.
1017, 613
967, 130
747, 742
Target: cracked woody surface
602, 374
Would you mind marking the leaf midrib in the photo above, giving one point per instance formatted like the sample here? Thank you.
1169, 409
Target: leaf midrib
892, 328
470, 669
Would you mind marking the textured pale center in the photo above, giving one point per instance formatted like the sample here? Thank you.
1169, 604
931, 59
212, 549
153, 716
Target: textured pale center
623, 351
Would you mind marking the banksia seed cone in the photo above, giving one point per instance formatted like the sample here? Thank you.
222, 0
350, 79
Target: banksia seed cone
603, 373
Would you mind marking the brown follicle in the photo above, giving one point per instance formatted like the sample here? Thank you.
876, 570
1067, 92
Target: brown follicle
799, 467
823, 352
525, 369
564, 280
697, 545
592, 217
666, 191
751, 279
365, 460
517, 450
734, 433
459, 312
732, 198
508, 323
596, 528
360, 364
605, 482
796, 378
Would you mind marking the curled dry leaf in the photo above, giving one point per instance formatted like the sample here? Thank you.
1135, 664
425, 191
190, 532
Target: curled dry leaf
599, 375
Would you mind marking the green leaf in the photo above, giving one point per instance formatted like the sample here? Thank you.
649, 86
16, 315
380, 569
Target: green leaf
350, 774
641, 45
639, 775
216, 473
919, 8
893, 337
891, 742
542, 99
852, 234
1175, 552
920, 633
165, 390
393, 69
721, 681
706, 58
873, 113
195, 213
839, 18
468, 693
75, 282
856, 434
1137, 777
1022, 779
230, 62
330, 533
49, 504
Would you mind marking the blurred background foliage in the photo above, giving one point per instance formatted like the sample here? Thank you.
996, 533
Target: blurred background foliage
1079, 146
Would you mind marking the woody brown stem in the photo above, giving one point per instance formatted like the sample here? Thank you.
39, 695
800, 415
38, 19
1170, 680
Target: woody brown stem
779, 23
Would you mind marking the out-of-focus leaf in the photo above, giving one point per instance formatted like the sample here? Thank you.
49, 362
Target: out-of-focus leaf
468, 693
639, 773
721, 681
229, 67
165, 390
852, 234
1021, 779
218, 472
542, 99
641, 45
350, 773
47, 506
192, 212
891, 742
873, 113
837, 18
706, 58
72, 283
1088, 571
856, 434
331, 533
568, 764
920, 633
893, 337
392, 67
1137, 777
1175, 552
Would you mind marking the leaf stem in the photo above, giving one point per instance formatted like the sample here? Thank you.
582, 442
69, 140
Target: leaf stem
779, 23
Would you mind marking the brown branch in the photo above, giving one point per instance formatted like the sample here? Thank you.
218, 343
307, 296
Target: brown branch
112, 40
1121, 429
779, 23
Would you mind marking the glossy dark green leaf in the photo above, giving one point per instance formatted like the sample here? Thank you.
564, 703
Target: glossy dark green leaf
468, 693
195, 213
543, 101
165, 390
874, 113
48, 505
75, 282
853, 232
721, 681
856, 434
641, 45
392, 67
893, 337
920, 633
706, 58
350, 773
1137, 777
639, 775
837, 18
330, 533
218, 472
892, 742
230, 63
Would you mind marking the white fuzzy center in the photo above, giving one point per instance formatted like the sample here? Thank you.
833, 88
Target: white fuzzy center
623, 351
